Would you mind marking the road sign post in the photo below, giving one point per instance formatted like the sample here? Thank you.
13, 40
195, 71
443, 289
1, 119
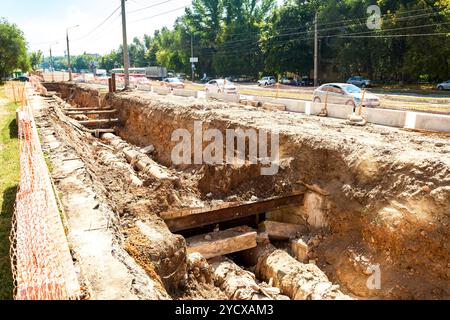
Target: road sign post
193, 61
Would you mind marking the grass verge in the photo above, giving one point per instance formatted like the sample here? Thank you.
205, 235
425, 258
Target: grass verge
9, 180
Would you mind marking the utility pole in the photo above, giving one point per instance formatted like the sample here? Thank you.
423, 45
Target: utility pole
51, 64
316, 52
126, 60
68, 53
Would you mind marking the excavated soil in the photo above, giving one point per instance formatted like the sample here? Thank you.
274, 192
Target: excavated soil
389, 190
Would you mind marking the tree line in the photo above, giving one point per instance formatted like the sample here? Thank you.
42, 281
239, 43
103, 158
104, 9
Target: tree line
255, 37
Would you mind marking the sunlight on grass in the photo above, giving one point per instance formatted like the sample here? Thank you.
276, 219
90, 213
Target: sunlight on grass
9, 179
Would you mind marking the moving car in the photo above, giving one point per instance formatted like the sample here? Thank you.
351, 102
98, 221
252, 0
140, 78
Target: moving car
181, 76
220, 86
343, 93
267, 81
359, 81
444, 85
205, 79
172, 83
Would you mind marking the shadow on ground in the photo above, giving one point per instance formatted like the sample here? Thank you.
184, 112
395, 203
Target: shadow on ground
13, 129
6, 282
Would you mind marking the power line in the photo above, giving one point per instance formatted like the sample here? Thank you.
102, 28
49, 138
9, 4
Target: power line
398, 35
228, 43
111, 26
159, 14
150, 6
97, 27
361, 21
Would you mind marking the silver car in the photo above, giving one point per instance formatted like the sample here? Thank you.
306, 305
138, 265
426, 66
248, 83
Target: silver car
359, 81
343, 93
267, 81
444, 85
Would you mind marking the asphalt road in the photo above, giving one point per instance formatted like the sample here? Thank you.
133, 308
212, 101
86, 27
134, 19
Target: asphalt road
399, 99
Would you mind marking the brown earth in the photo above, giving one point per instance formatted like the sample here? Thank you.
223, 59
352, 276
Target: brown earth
389, 189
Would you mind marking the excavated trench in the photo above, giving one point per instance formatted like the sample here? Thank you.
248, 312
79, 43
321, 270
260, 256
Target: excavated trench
346, 206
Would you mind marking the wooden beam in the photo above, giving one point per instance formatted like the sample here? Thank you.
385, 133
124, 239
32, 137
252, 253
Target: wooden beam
71, 113
221, 243
185, 219
98, 122
102, 131
82, 109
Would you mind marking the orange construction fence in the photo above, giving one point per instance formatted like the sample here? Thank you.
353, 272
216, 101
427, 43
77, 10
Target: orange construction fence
41, 260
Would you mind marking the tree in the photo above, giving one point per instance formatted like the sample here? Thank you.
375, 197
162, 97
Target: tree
248, 37
13, 49
239, 51
111, 61
36, 59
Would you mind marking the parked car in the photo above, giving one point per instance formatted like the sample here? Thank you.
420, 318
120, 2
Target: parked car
343, 93
21, 79
360, 82
181, 76
444, 85
220, 86
172, 83
307, 82
289, 81
267, 81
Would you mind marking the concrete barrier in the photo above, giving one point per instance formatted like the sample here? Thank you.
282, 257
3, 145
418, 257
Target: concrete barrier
291, 105
432, 122
315, 108
185, 93
162, 90
391, 118
385, 117
143, 87
223, 97
339, 111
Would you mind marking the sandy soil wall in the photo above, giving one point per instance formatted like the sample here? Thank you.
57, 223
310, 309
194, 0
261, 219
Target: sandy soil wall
389, 190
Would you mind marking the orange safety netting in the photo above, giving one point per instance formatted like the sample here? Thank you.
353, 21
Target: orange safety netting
41, 261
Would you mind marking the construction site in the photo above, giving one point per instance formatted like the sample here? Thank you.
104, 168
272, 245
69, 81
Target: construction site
352, 213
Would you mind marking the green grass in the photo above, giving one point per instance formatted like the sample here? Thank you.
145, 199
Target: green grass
9, 179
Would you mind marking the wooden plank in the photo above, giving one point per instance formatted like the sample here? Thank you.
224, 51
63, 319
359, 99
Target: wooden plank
221, 243
81, 109
281, 231
186, 219
98, 122
71, 113
102, 131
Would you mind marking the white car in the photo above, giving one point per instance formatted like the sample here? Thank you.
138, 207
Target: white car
343, 93
267, 81
220, 86
444, 85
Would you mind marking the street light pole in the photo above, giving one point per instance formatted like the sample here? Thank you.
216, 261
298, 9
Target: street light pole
51, 64
316, 52
126, 60
68, 52
192, 56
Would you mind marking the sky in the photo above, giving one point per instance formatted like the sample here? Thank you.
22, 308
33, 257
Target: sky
44, 22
